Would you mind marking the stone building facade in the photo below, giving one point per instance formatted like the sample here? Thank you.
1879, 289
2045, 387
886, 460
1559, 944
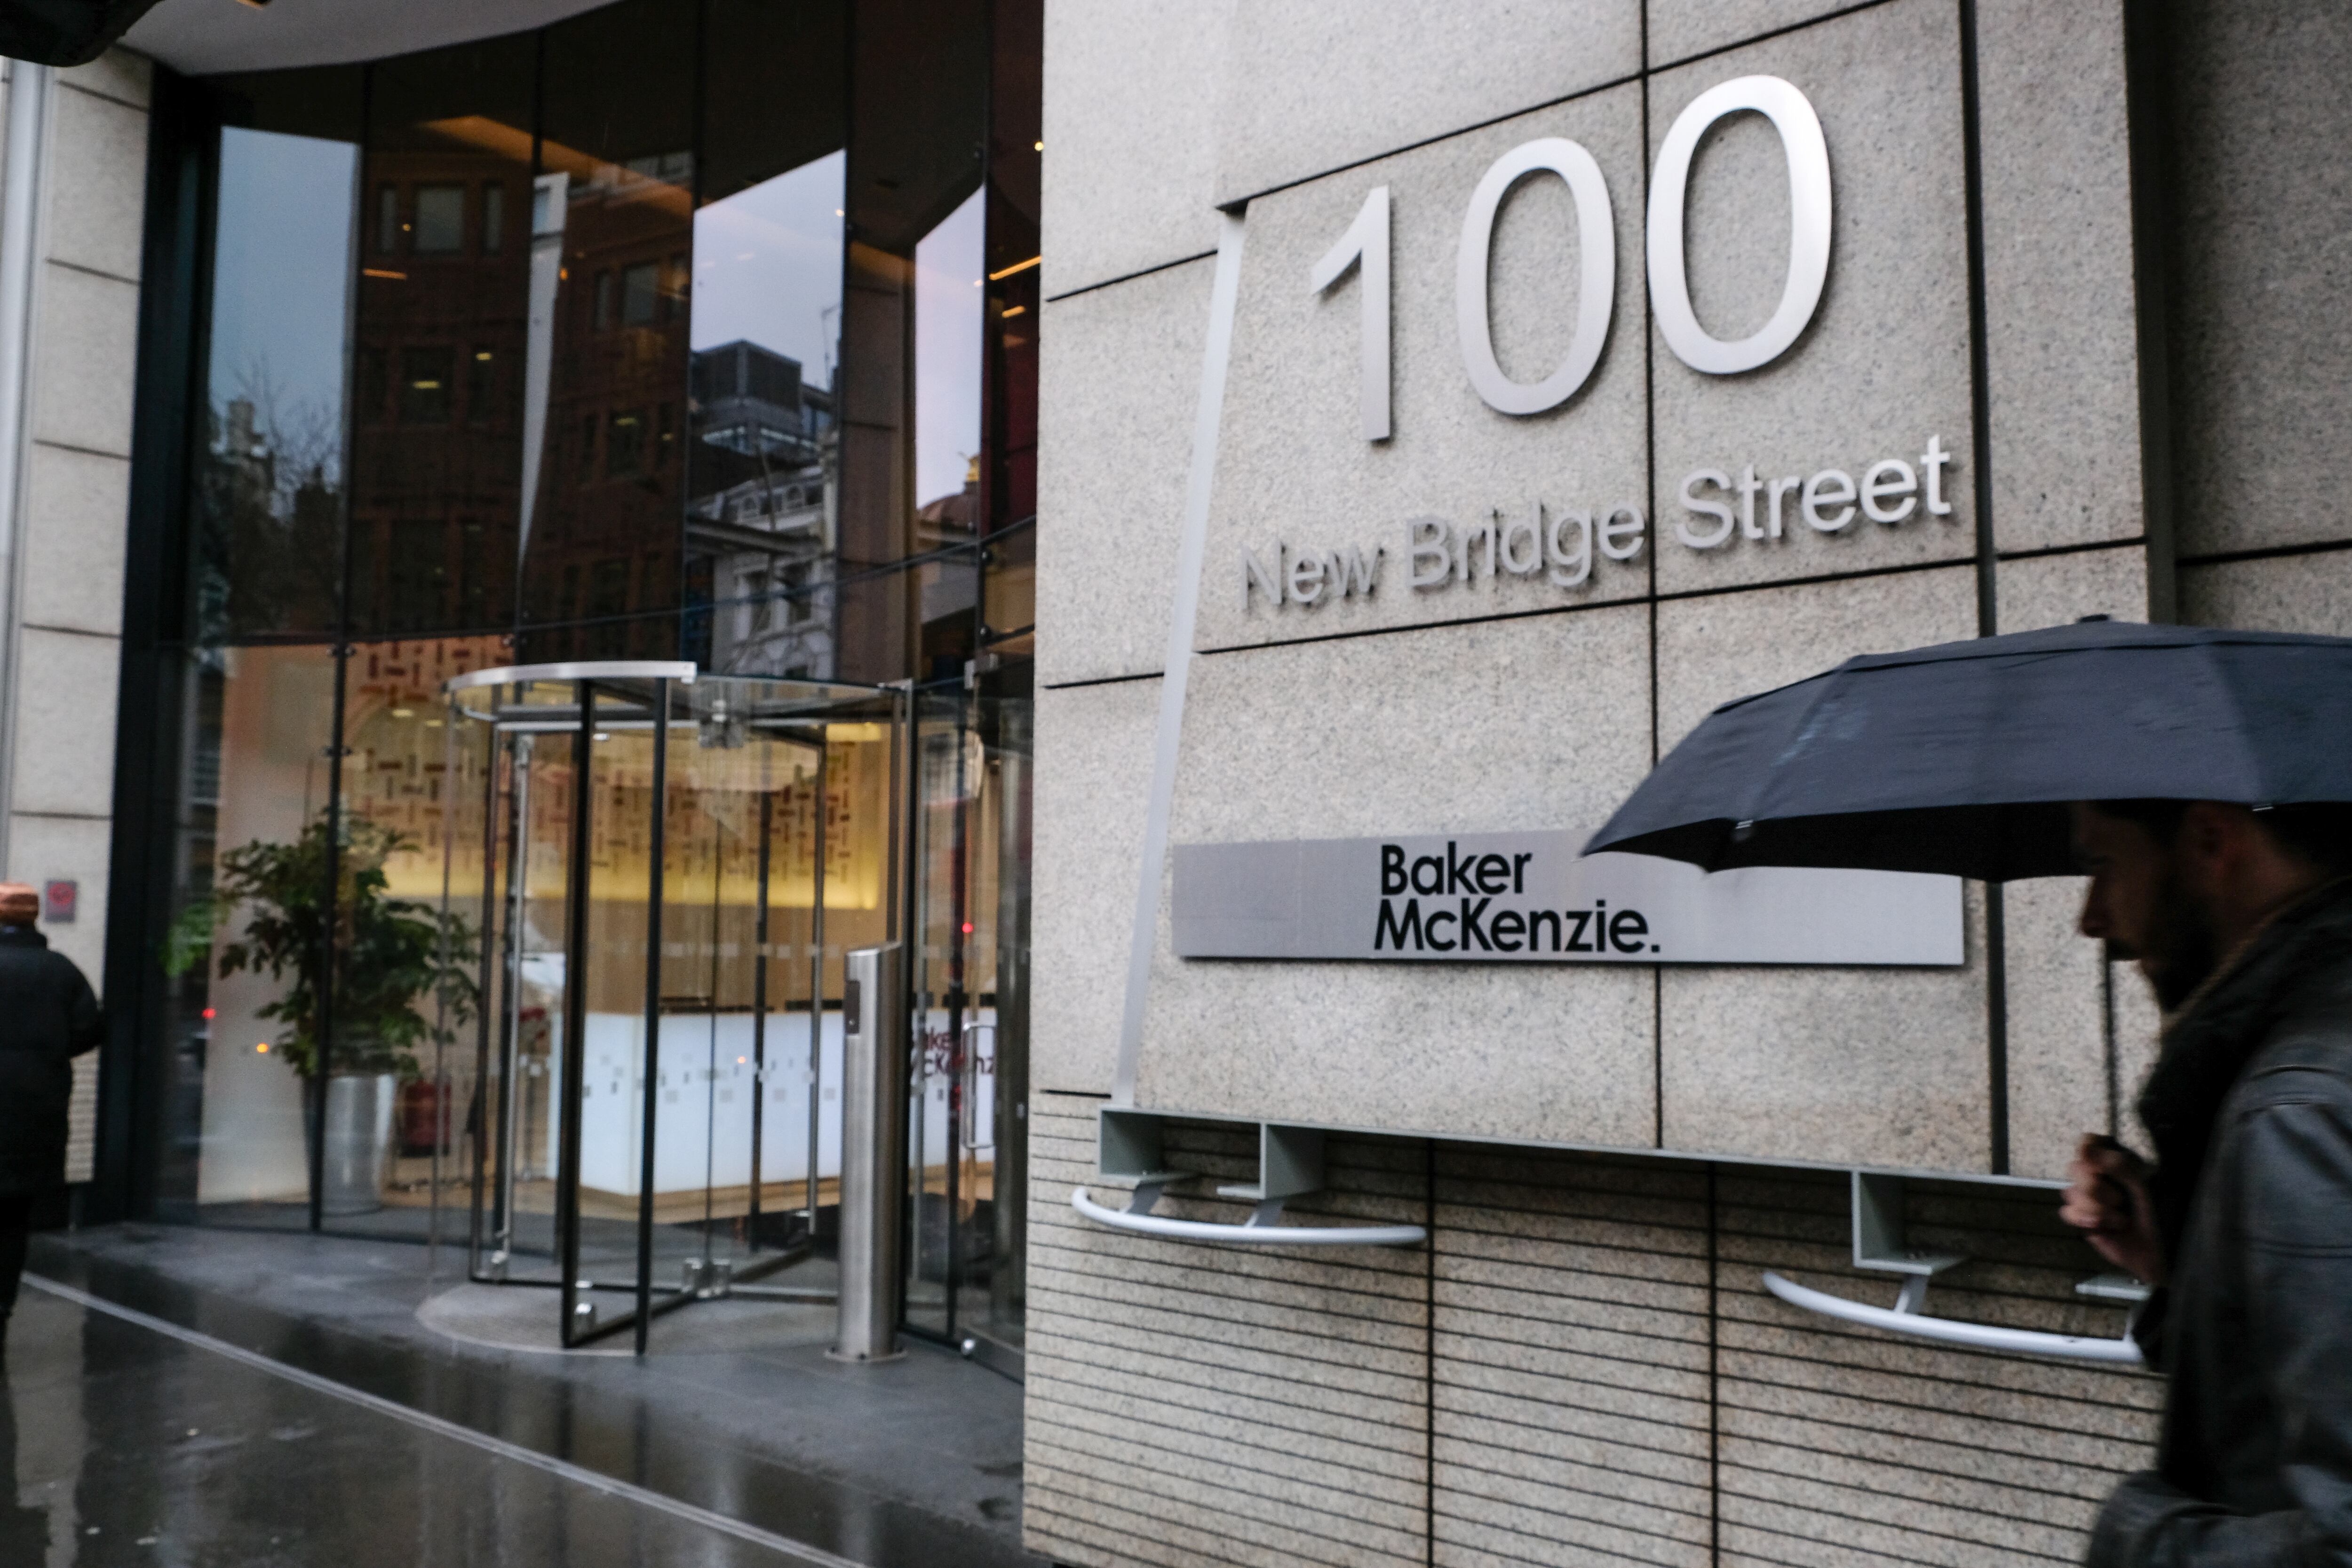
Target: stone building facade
2079, 289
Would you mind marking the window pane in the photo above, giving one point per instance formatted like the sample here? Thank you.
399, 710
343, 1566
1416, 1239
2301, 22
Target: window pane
640, 293
764, 444
440, 220
424, 386
617, 165
270, 488
433, 459
494, 217
918, 125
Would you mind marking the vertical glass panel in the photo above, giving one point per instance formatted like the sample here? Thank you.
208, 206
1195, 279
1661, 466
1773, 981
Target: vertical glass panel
911, 398
949, 305
407, 982
952, 954
606, 357
764, 454
269, 481
764, 458
437, 438
515, 1121
614, 1072
245, 947
1015, 168
997, 1284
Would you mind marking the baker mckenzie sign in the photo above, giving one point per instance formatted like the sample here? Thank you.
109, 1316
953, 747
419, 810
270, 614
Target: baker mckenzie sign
1529, 897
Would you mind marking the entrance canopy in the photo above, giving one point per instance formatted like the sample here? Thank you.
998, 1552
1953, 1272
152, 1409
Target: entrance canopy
204, 37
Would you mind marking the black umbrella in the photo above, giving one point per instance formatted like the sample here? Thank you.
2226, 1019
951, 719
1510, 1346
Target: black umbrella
1962, 758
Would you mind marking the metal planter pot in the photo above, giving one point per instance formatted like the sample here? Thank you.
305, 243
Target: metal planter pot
358, 1142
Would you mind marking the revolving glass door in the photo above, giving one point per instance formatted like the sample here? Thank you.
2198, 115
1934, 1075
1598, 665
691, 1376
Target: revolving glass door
967, 1137
675, 865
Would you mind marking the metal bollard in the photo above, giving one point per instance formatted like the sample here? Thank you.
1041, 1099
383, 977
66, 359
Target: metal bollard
874, 1046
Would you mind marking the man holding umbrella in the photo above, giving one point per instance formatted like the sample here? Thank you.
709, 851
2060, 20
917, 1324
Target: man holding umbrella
2201, 779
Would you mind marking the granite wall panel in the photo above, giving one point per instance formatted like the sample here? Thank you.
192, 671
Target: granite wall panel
2309, 593
1295, 477
1681, 28
1120, 373
1130, 137
2262, 306
2061, 301
1275, 748
1310, 86
1093, 781
1581, 1367
1272, 1403
1884, 366
1842, 1445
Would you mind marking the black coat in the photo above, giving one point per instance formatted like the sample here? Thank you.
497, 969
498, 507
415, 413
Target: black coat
47, 1016
2251, 1105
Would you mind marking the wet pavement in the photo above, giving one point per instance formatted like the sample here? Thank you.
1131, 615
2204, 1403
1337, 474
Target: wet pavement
187, 1440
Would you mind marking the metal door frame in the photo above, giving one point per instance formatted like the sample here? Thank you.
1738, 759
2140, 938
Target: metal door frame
626, 679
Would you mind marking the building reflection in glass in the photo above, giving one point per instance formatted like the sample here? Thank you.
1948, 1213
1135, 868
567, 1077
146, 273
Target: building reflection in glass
762, 520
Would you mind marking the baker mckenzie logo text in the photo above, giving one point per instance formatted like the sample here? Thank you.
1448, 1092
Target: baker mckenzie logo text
1477, 904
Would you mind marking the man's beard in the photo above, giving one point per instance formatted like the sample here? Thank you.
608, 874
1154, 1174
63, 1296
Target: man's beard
2182, 951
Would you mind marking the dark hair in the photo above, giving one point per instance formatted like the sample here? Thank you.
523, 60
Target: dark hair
2318, 831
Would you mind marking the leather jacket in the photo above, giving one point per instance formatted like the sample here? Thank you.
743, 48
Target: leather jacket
2250, 1108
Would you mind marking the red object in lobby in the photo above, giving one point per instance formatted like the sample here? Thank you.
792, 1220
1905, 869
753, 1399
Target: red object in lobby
420, 1103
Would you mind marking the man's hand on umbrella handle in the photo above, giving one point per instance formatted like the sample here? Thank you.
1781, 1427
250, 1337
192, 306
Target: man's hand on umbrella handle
2107, 1201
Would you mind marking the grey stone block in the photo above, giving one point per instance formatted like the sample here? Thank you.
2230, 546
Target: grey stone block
2261, 369
74, 542
1681, 28
1312, 85
98, 162
1718, 646
1130, 137
2281, 594
1293, 468
85, 359
2061, 342
1277, 746
2053, 590
1094, 778
1885, 365
1118, 380
65, 764
1872, 1066
2058, 1057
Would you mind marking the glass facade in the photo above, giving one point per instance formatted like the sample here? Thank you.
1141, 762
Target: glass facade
674, 332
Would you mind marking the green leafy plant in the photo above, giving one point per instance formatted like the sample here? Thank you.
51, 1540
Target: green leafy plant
389, 952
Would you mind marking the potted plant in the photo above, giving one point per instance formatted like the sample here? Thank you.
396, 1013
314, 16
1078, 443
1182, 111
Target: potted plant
388, 955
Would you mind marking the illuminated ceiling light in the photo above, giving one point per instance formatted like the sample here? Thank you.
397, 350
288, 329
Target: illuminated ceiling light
404, 712
1041, 146
263, 1047
1016, 311
482, 353
1016, 266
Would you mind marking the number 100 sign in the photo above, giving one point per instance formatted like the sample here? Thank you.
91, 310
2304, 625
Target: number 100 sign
1364, 250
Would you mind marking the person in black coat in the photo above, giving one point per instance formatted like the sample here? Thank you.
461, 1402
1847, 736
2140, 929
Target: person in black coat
49, 1015
2241, 922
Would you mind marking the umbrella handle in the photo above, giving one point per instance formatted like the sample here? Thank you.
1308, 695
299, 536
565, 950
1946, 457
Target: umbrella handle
1905, 1318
